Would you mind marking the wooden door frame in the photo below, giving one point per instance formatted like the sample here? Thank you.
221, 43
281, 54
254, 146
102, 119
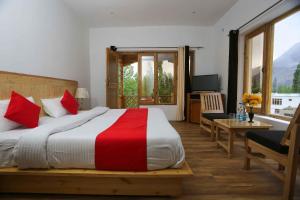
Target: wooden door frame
107, 80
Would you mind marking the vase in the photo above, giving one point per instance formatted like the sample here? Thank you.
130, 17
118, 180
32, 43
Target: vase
251, 114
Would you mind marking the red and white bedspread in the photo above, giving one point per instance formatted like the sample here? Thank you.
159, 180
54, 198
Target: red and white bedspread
109, 139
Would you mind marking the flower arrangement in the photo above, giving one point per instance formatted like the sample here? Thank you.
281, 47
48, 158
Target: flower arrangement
252, 99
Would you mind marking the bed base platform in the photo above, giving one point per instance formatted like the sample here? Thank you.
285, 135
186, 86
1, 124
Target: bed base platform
166, 182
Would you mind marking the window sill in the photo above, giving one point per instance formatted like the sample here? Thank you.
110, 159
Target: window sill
144, 104
257, 110
288, 119
277, 124
268, 118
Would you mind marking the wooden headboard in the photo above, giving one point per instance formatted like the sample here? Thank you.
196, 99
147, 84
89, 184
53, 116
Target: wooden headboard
39, 87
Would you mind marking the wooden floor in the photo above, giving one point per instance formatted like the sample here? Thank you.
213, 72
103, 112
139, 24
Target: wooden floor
216, 177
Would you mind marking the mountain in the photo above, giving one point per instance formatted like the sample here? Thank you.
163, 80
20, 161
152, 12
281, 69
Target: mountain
285, 66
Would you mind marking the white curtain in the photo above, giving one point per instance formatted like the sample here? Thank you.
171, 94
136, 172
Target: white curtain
180, 85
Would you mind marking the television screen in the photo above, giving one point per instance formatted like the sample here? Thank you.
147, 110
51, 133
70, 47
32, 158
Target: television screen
205, 83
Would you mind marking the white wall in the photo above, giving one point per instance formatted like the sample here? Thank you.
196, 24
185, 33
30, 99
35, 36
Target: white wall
43, 37
101, 38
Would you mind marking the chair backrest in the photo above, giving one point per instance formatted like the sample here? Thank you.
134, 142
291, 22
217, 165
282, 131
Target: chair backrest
211, 102
295, 120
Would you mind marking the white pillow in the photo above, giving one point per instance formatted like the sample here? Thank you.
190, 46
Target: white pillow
6, 124
53, 107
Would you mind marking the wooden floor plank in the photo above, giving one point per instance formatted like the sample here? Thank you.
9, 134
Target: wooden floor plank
216, 177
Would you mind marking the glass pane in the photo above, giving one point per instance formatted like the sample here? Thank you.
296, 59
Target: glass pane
147, 69
256, 47
286, 66
166, 77
130, 79
130, 85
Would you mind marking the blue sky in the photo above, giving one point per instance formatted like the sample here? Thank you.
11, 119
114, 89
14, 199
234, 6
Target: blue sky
286, 34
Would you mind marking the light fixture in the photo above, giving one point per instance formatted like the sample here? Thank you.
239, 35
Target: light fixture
82, 96
82, 93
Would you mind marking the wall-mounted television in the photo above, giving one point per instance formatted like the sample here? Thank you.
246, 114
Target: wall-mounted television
205, 83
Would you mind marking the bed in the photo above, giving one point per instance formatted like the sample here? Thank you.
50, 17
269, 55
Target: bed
69, 165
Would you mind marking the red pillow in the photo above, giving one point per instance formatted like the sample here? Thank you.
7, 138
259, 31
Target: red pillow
22, 111
69, 103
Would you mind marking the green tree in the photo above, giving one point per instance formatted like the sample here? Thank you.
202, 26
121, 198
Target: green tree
130, 81
275, 85
147, 89
296, 80
255, 89
285, 89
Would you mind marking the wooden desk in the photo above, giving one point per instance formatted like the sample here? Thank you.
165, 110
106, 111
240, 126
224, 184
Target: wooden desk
193, 107
233, 126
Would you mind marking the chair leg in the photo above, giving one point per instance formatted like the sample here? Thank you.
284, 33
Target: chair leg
201, 124
212, 130
291, 168
247, 159
281, 167
217, 135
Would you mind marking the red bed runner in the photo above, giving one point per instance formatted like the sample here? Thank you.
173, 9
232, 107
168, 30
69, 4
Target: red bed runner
123, 146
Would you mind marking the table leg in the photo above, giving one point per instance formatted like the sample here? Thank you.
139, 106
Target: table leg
230, 143
247, 159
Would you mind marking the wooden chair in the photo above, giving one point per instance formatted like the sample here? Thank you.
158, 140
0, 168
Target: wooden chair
211, 109
281, 146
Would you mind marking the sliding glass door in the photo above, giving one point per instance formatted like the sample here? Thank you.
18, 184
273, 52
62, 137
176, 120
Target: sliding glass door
272, 65
166, 78
255, 62
141, 78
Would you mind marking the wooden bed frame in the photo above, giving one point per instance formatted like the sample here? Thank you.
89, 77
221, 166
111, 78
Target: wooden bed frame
79, 181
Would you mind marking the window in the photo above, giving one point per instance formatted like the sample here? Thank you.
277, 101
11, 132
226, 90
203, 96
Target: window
255, 58
157, 78
286, 63
147, 78
276, 101
272, 64
166, 78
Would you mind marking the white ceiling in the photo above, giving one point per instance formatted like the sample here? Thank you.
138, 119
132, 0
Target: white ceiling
108, 13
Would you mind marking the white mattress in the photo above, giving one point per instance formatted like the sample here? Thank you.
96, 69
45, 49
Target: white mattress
75, 148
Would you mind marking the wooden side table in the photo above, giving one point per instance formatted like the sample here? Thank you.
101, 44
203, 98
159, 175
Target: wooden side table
233, 126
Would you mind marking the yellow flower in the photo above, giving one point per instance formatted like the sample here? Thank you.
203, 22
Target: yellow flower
246, 98
252, 99
253, 102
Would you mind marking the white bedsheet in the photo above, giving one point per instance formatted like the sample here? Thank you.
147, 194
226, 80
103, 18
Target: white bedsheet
74, 148
9, 139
